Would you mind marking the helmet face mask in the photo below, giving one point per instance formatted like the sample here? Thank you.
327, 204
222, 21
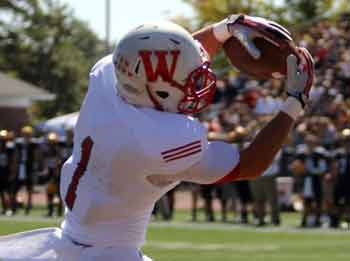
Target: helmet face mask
199, 90
163, 67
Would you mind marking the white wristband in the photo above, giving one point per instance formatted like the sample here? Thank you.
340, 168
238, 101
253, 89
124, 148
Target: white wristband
221, 32
292, 107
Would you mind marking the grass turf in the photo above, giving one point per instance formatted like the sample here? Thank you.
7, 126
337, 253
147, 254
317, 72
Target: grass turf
183, 240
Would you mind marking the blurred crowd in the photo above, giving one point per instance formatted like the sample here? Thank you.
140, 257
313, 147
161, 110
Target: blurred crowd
28, 162
315, 162
316, 156
317, 152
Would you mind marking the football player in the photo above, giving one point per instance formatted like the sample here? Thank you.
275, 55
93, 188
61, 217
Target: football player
135, 140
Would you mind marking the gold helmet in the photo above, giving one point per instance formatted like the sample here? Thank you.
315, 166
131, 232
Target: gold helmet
52, 137
27, 130
4, 134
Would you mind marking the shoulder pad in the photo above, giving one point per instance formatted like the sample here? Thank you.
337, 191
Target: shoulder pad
104, 62
102, 82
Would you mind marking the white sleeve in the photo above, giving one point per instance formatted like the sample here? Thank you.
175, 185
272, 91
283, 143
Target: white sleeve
175, 144
219, 162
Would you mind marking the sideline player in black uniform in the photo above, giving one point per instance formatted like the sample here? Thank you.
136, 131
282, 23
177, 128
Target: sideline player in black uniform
27, 154
342, 181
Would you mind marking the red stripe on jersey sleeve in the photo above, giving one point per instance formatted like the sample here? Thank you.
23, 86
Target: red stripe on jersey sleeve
187, 149
183, 155
181, 147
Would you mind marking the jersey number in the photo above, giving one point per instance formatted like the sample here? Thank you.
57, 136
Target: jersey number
86, 147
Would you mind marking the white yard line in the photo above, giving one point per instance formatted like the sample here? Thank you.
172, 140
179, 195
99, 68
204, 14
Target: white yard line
30, 219
227, 227
197, 226
213, 246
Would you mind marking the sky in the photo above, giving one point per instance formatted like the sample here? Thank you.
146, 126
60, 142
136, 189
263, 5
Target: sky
126, 14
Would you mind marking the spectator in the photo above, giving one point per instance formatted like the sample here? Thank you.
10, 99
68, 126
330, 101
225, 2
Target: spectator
226, 195
52, 164
67, 145
27, 154
4, 171
12, 171
195, 191
342, 182
244, 195
264, 190
316, 167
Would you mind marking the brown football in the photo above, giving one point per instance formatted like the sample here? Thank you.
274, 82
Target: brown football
271, 64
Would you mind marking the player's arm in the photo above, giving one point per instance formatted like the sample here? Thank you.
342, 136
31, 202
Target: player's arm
222, 162
207, 38
258, 156
245, 28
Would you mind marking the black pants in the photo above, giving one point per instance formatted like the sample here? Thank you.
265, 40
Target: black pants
342, 190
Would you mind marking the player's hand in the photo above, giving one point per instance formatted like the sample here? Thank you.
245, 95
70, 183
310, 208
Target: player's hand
300, 78
245, 28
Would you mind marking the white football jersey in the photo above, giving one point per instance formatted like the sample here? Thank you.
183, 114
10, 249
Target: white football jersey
107, 183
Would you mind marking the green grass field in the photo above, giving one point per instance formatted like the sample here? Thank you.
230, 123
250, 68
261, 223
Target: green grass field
181, 240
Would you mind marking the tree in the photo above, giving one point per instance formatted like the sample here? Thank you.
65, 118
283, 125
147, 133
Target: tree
287, 12
43, 43
303, 11
210, 11
290, 13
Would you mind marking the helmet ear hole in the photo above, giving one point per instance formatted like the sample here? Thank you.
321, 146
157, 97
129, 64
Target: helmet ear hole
162, 94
